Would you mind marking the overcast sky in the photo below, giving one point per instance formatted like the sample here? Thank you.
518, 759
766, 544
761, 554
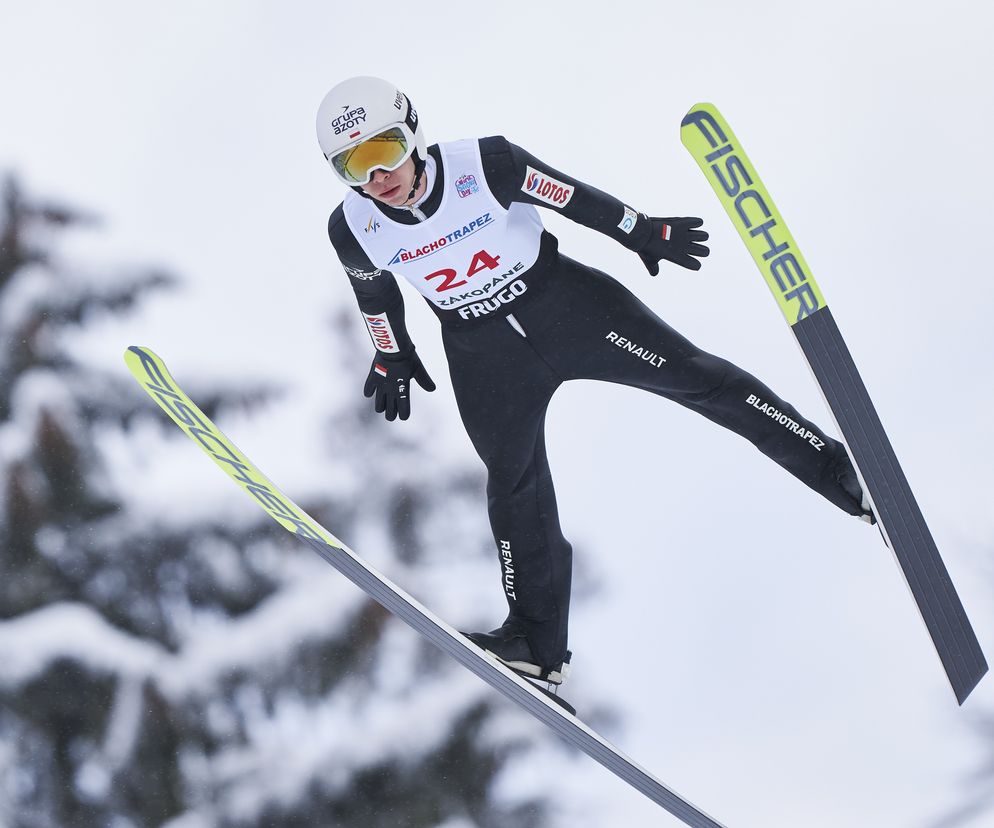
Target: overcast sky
763, 649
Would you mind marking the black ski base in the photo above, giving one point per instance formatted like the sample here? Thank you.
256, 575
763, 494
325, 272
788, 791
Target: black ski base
899, 518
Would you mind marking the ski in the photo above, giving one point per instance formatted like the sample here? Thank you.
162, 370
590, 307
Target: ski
705, 133
155, 379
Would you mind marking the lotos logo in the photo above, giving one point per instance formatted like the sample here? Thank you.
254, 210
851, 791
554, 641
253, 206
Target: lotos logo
381, 333
546, 188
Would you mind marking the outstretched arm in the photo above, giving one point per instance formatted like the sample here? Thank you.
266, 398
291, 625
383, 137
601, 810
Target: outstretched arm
513, 174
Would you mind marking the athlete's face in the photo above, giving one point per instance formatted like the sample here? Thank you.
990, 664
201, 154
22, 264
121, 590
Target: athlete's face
392, 187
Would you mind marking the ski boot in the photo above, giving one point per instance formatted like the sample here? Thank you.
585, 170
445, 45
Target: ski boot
845, 474
509, 645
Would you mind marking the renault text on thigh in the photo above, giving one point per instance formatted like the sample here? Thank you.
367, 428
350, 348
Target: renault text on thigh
636, 350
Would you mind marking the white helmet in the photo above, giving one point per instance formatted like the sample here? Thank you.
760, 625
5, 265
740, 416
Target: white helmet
364, 108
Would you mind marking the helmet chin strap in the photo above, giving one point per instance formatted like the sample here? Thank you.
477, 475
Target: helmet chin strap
419, 168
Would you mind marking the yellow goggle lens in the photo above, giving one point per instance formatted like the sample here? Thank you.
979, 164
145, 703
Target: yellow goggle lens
386, 150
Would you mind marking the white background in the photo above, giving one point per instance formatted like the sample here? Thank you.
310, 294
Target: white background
762, 649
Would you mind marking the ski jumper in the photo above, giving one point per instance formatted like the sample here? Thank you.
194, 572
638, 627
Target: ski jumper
519, 319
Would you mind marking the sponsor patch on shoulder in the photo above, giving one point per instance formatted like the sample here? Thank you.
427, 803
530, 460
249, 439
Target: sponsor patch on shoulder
356, 273
628, 222
545, 188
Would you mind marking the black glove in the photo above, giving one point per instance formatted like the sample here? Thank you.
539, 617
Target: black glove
390, 379
675, 240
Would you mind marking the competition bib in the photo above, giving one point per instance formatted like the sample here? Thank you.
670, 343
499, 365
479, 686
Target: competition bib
467, 257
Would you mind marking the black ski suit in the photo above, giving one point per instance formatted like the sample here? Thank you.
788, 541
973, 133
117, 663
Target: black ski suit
573, 322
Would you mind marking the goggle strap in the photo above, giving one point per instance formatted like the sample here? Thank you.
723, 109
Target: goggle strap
411, 119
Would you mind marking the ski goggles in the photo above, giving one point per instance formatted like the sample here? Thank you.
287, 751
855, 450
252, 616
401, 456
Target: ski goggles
385, 150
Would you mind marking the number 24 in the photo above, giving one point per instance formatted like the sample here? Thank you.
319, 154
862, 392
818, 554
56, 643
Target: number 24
481, 261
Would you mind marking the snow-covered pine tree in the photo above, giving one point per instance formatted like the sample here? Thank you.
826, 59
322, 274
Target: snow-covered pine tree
193, 673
